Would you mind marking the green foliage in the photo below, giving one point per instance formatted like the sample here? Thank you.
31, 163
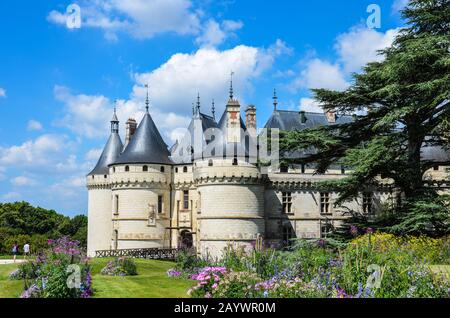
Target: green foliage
120, 266
406, 97
427, 216
188, 261
22, 223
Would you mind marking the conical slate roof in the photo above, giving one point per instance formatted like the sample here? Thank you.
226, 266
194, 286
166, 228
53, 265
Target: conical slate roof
183, 150
146, 145
110, 153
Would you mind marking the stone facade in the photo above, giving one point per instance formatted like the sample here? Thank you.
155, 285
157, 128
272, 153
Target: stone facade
208, 203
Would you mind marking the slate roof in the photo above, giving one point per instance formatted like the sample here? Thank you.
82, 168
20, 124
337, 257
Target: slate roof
290, 120
110, 153
182, 150
146, 145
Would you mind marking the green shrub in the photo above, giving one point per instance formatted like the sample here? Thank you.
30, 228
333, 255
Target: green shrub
120, 266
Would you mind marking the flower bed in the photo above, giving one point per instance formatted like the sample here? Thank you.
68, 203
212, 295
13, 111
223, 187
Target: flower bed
373, 265
61, 272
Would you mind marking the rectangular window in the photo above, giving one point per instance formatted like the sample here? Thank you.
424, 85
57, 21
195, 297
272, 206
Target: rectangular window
436, 168
324, 202
287, 202
116, 204
368, 202
303, 168
186, 199
160, 204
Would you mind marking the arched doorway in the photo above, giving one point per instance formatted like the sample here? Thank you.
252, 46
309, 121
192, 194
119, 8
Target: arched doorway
186, 240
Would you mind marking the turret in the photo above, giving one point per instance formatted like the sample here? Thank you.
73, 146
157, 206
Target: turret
140, 184
99, 193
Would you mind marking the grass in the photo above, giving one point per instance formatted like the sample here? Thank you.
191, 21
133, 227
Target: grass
151, 282
9, 288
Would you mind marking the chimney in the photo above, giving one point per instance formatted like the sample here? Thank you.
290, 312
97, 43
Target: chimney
331, 116
130, 130
302, 117
233, 110
250, 120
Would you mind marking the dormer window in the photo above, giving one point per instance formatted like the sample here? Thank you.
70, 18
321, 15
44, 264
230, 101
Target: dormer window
145, 168
127, 168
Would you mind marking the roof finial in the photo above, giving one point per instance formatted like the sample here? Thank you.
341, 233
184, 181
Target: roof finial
231, 85
275, 99
146, 100
213, 109
198, 103
114, 120
193, 109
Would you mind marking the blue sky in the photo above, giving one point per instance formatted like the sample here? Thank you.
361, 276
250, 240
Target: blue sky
57, 85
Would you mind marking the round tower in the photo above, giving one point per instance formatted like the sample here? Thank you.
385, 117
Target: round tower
230, 187
99, 194
140, 183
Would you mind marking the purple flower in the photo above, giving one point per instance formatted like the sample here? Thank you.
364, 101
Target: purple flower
353, 230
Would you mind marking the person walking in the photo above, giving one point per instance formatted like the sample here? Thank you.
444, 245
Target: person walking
15, 250
26, 250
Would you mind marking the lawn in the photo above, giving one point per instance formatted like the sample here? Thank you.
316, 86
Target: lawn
151, 282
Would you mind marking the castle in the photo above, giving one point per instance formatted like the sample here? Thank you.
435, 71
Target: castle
207, 190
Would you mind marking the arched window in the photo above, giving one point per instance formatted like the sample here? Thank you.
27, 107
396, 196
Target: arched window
93, 177
235, 161
162, 169
176, 170
210, 163
105, 176
114, 169
145, 168
127, 168
184, 169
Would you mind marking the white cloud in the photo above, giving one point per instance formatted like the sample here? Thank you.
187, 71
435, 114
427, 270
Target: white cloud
310, 105
321, 74
214, 34
23, 181
34, 125
93, 154
86, 115
44, 153
399, 5
174, 85
2, 173
2, 92
140, 18
11, 196
360, 45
